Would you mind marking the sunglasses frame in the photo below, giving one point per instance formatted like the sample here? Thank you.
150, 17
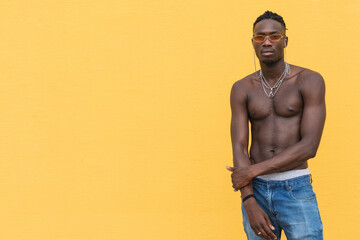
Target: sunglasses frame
268, 37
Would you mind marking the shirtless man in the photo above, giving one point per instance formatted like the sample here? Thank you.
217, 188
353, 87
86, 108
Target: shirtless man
285, 105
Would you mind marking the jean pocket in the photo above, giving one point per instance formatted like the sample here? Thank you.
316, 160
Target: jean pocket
302, 191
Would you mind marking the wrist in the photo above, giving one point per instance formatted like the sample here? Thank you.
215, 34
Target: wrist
255, 170
248, 189
249, 202
248, 197
252, 171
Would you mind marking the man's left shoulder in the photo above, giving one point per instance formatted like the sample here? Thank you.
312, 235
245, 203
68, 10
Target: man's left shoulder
311, 83
309, 77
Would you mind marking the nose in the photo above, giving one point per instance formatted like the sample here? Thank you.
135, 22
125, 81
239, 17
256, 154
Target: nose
267, 42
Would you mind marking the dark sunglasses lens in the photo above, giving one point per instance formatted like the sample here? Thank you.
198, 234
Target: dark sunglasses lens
274, 37
259, 38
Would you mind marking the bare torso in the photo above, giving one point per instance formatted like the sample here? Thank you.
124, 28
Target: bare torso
275, 123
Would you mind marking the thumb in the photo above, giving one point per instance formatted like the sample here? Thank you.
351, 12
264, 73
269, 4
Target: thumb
231, 169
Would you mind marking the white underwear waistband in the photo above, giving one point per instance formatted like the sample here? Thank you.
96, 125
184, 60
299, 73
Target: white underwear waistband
285, 175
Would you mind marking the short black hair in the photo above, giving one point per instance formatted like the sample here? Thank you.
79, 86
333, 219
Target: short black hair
270, 15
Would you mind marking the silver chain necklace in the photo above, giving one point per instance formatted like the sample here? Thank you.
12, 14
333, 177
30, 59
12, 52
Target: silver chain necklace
266, 85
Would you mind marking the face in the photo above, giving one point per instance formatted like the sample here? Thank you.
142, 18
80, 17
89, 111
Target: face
269, 51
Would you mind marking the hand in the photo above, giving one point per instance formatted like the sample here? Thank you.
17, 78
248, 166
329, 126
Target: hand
240, 177
259, 220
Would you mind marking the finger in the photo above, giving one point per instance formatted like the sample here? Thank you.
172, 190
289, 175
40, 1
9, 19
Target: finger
269, 222
235, 187
231, 169
267, 231
241, 185
268, 227
261, 233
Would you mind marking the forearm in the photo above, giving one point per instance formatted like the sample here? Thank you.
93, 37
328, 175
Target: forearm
289, 159
241, 160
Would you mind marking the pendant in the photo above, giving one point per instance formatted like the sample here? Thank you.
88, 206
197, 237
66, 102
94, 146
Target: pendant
271, 94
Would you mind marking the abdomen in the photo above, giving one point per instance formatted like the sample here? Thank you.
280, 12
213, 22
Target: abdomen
272, 135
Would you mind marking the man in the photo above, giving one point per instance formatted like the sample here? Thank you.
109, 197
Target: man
285, 105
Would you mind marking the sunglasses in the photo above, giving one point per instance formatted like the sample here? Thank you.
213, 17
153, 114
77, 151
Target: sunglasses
272, 37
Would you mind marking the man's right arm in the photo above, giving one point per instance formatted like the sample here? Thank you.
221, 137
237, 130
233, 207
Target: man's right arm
240, 130
259, 220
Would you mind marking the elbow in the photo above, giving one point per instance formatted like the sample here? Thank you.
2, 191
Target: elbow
311, 152
310, 147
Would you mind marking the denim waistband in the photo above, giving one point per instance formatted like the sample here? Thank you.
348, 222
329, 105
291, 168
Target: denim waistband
280, 183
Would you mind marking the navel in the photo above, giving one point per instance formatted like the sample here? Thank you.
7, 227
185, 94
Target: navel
272, 151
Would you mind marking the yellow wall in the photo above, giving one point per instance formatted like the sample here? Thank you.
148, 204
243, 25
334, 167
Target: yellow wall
115, 115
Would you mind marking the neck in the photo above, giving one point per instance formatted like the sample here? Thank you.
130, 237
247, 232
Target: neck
273, 71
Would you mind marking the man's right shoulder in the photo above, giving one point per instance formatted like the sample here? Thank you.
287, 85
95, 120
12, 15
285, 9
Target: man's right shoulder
244, 83
241, 88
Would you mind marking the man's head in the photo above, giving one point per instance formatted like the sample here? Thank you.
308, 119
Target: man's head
270, 15
269, 39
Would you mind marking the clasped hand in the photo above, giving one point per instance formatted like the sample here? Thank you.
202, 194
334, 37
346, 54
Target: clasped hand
240, 177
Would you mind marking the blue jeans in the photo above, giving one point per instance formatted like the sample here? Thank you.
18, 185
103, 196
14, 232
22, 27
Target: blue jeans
291, 206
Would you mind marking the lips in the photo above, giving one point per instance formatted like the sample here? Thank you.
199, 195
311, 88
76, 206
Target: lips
266, 53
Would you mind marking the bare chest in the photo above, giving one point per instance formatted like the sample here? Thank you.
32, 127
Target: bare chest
286, 103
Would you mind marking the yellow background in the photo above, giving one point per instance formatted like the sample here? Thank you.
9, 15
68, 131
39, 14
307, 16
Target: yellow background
115, 115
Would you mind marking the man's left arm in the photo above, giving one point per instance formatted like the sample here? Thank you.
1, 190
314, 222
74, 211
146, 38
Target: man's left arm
312, 88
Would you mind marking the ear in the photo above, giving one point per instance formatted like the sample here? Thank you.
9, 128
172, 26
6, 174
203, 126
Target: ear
252, 42
286, 40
